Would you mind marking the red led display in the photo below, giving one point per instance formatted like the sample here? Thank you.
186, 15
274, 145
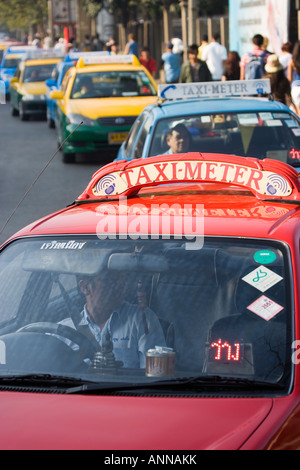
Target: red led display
294, 154
225, 351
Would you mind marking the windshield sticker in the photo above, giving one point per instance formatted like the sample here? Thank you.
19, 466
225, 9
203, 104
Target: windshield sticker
296, 131
274, 123
2, 352
265, 308
265, 257
205, 119
247, 119
290, 123
69, 245
265, 116
262, 278
280, 116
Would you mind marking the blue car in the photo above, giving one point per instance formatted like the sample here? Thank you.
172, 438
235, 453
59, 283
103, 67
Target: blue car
216, 117
9, 63
54, 83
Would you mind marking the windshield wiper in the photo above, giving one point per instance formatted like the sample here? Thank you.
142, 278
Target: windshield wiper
41, 380
193, 383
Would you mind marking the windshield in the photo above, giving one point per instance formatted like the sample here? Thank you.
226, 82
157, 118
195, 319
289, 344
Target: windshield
261, 135
60, 69
10, 62
38, 73
128, 310
112, 84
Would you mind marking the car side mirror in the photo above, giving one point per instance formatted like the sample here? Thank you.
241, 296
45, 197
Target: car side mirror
51, 83
56, 95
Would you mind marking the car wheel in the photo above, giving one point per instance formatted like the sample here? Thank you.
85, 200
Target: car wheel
51, 122
13, 111
22, 114
69, 157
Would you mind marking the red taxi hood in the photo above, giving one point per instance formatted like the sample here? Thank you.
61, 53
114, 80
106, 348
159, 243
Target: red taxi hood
51, 421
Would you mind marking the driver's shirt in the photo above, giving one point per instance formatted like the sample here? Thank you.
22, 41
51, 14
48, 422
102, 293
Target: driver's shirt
132, 330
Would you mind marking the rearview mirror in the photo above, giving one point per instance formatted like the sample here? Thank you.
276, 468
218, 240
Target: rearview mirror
137, 262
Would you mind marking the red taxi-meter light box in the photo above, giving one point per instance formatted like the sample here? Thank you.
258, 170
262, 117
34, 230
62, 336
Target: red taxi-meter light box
265, 178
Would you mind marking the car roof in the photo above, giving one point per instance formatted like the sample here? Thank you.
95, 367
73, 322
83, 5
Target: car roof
214, 105
234, 96
248, 211
110, 67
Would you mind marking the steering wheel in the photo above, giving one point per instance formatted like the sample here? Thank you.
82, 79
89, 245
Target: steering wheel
86, 347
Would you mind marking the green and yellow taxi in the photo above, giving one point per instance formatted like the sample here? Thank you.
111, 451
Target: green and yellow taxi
28, 87
99, 101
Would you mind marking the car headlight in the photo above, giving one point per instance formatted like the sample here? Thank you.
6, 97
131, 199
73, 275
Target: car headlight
73, 118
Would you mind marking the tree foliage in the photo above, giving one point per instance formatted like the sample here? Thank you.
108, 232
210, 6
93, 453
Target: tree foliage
20, 14
205, 7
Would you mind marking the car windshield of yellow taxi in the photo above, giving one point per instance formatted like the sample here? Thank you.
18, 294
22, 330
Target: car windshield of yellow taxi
39, 65
120, 76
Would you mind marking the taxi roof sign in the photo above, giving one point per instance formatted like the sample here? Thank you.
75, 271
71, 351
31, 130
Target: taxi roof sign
264, 178
43, 54
13, 49
98, 59
75, 55
214, 89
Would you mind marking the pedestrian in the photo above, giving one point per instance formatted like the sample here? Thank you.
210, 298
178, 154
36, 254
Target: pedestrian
285, 57
253, 62
47, 41
280, 85
172, 64
294, 64
204, 43
132, 46
265, 45
37, 41
178, 46
110, 43
87, 45
60, 46
148, 61
232, 68
294, 75
194, 69
215, 55
115, 48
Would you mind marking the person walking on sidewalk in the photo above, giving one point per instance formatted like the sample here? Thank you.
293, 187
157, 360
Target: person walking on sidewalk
194, 69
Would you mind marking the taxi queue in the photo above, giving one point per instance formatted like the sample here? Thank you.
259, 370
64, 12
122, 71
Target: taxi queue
66, 90
226, 294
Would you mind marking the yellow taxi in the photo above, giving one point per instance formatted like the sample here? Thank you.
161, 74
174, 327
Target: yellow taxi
99, 101
28, 88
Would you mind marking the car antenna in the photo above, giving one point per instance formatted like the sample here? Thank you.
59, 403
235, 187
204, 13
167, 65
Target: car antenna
38, 176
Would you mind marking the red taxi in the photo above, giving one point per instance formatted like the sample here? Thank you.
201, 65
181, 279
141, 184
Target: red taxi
160, 310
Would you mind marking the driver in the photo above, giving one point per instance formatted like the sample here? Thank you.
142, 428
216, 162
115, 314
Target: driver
177, 139
132, 330
86, 88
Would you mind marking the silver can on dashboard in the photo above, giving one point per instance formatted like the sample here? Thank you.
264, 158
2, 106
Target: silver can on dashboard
160, 362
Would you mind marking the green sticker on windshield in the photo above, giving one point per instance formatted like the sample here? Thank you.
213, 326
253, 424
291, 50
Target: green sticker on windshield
265, 256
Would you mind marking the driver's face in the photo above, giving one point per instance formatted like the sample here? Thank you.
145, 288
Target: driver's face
103, 293
178, 142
